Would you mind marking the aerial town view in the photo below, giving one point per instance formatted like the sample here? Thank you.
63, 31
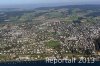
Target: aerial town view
50, 32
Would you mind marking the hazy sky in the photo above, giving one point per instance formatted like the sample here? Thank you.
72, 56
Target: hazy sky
8, 2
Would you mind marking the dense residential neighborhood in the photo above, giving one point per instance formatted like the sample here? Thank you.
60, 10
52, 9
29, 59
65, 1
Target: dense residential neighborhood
42, 33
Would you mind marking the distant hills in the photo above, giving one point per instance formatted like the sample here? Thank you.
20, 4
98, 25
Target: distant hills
74, 6
32, 6
45, 6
